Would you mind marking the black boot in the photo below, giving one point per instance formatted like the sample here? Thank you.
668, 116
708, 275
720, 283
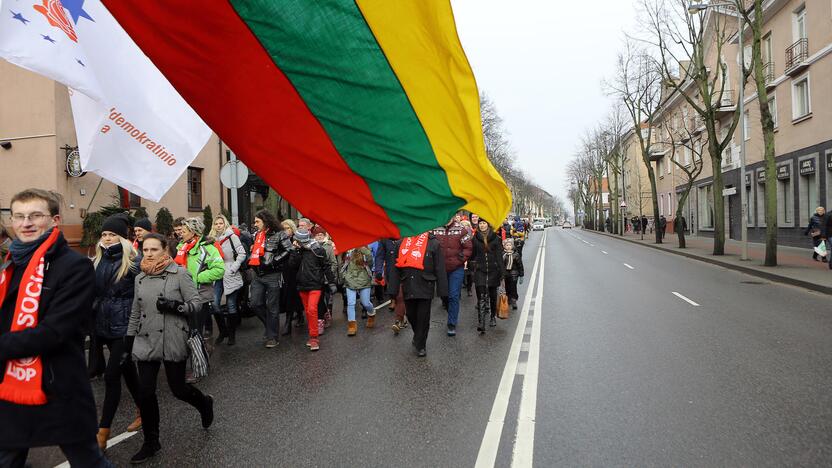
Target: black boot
232, 330
222, 325
482, 312
148, 450
287, 326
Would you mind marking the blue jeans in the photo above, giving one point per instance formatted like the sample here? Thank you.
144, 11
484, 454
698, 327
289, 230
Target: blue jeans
230, 300
265, 300
365, 301
455, 279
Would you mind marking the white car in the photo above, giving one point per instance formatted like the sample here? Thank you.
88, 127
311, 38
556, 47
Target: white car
566, 225
538, 226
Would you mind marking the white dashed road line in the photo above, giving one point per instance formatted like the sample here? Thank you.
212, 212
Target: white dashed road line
685, 299
628, 266
604, 252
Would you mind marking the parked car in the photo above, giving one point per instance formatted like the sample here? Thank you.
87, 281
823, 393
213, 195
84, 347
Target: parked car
538, 226
566, 225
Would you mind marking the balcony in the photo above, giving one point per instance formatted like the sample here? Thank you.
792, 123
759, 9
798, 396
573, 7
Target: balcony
656, 154
768, 74
724, 104
796, 55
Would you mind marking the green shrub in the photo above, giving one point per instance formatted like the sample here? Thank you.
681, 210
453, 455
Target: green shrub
164, 222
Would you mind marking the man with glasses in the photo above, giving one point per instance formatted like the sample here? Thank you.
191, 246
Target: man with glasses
46, 294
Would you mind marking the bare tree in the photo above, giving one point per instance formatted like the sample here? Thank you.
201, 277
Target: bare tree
638, 85
684, 42
615, 127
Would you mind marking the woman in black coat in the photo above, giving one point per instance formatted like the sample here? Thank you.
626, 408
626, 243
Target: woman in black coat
115, 273
488, 272
815, 229
419, 282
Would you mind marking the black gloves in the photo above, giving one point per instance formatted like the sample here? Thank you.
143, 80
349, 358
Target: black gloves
379, 277
167, 306
127, 351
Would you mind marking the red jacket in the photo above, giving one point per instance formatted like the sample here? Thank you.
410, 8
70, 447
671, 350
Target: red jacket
456, 245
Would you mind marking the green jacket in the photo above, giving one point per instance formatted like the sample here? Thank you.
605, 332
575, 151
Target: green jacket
358, 276
205, 264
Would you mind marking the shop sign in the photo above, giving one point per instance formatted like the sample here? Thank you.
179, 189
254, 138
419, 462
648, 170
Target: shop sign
748, 179
807, 166
829, 160
761, 176
783, 172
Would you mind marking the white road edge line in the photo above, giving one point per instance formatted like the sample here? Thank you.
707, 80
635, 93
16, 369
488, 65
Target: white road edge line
110, 443
628, 266
523, 454
487, 455
685, 299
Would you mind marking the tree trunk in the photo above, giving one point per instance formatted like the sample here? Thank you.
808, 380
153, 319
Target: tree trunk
719, 202
680, 230
652, 175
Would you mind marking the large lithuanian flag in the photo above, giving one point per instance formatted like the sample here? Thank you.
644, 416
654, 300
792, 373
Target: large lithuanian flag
364, 114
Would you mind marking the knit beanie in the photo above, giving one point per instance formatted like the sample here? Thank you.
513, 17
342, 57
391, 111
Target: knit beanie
144, 223
195, 225
302, 236
117, 223
318, 230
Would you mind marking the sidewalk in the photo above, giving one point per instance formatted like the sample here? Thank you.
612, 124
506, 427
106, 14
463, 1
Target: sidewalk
795, 265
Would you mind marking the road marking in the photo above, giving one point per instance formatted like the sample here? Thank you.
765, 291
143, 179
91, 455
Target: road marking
110, 443
604, 252
523, 454
628, 266
685, 299
487, 455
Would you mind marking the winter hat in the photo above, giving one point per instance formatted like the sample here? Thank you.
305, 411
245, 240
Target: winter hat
195, 225
117, 223
302, 236
144, 223
318, 230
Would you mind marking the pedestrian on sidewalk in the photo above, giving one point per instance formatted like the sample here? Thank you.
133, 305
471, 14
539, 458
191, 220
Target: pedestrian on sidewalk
815, 229
115, 274
203, 261
234, 256
662, 227
514, 272
166, 297
269, 254
314, 272
45, 394
488, 273
290, 302
358, 280
420, 271
456, 248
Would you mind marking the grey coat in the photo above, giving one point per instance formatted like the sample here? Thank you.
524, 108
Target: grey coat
161, 337
234, 254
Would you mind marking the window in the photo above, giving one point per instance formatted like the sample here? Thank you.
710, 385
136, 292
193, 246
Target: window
706, 207
194, 189
772, 108
800, 31
749, 201
661, 204
801, 104
686, 156
785, 196
807, 189
128, 200
746, 124
767, 51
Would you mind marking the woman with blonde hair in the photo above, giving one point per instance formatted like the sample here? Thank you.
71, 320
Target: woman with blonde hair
115, 272
234, 256
290, 302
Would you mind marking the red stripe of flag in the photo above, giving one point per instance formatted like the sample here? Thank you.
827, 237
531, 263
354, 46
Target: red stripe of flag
220, 68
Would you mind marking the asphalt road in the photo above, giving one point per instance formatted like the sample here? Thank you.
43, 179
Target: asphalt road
603, 366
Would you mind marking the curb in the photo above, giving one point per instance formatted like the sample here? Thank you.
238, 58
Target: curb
713, 261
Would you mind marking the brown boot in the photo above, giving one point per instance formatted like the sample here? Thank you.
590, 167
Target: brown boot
371, 321
352, 328
136, 424
102, 437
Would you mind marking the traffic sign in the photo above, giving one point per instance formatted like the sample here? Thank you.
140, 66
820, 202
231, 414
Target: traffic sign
234, 174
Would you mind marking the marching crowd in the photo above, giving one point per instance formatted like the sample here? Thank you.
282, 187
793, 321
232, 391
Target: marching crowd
152, 302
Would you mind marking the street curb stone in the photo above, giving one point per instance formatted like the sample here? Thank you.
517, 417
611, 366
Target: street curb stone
713, 261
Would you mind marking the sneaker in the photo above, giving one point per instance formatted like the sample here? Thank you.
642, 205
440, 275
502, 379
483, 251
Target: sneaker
421, 353
144, 454
313, 345
271, 343
321, 327
451, 330
207, 413
309, 343
404, 324
397, 327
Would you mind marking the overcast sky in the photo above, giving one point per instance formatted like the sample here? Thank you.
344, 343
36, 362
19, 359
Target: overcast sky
542, 63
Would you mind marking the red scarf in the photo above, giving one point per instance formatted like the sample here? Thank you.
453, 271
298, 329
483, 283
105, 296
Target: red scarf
258, 248
136, 245
182, 253
412, 252
23, 381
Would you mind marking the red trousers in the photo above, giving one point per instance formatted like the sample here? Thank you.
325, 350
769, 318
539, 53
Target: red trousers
310, 305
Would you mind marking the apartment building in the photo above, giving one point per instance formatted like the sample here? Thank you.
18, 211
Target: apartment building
635, 183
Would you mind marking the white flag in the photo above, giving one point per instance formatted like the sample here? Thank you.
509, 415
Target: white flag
133, 128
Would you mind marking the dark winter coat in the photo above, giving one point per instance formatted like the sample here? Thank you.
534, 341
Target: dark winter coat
113, 299
516, 260
817, 222
421, 284
385, 258
314, 269
456, 245
69, 416
487, 259
277, 248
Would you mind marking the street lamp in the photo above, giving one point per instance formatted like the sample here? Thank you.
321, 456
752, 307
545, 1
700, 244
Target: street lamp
699, 7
